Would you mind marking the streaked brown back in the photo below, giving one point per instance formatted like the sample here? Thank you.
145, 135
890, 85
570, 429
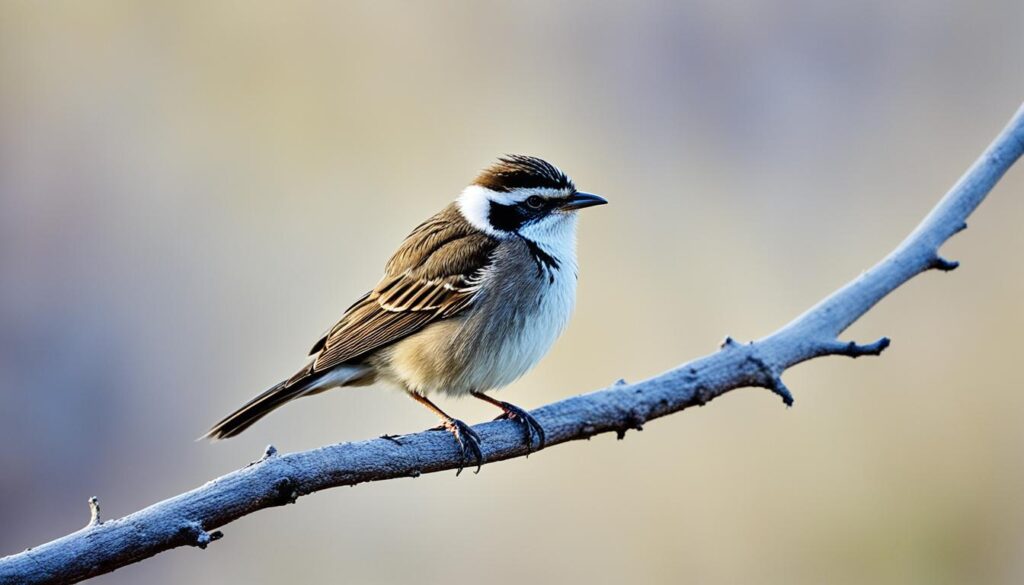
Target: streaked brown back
432, 276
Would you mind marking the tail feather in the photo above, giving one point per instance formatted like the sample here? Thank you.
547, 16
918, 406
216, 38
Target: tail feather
303, 383
254, 410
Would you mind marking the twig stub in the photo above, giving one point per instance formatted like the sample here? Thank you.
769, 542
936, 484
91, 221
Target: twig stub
94, 512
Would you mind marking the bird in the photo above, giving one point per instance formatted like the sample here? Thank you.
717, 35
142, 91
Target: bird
472, 299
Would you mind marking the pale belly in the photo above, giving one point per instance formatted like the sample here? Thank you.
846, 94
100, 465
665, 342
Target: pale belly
492, 346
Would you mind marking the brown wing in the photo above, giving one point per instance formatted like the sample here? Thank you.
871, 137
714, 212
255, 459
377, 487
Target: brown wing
434, 275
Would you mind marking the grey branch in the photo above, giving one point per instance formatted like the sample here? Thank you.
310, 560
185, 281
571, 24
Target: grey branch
277, 480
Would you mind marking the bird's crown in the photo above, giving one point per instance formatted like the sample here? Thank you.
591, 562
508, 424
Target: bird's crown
518, 171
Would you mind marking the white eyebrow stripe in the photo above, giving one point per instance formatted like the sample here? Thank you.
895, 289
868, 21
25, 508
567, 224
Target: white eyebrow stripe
546, 192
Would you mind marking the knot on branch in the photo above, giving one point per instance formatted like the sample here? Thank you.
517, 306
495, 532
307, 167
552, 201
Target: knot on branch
690, 376
700, 396
287, 491
94, 512
633, 421
729, 342
198, 537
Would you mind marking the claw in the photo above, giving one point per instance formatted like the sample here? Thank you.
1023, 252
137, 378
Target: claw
468, 441
529, 424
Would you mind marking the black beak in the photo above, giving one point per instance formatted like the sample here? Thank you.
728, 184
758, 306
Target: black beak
580, 200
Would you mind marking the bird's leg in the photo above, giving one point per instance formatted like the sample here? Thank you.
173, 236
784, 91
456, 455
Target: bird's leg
467, 438
513, 412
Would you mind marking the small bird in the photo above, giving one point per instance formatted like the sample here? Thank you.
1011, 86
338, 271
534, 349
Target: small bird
472, 300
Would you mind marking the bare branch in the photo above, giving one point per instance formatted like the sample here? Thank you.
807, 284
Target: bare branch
276, 480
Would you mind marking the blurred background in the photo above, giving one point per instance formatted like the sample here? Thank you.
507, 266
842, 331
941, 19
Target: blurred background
190, 193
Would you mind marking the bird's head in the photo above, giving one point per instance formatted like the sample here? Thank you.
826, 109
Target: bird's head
525, 196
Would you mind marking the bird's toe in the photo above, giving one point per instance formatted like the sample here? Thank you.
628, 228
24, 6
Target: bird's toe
468, 440
528, 423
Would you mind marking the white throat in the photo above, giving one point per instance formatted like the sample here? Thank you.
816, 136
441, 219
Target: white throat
555, 233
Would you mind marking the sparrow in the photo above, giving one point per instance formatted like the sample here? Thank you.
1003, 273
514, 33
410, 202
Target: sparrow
473, 299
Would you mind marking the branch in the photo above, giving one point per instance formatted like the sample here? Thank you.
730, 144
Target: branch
276, 480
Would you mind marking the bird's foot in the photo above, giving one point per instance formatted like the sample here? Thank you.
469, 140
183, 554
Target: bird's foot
527, 422
467, 439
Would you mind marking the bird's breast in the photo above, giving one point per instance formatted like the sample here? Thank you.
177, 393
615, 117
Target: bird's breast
524, 305
516, 327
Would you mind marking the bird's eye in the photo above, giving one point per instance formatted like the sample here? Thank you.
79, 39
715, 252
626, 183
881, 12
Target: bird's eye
534, 202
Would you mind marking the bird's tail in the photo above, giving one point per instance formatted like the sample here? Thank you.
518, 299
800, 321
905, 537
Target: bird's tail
301, 384
254, 410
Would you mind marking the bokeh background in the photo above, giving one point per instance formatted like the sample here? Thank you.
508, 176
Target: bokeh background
191, 192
